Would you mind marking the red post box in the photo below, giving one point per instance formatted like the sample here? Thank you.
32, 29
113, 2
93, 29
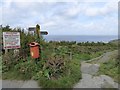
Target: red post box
34, 49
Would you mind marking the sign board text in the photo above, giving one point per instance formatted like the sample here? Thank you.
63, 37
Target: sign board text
11, 40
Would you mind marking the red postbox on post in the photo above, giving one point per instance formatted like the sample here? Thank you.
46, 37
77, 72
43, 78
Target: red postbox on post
34, 49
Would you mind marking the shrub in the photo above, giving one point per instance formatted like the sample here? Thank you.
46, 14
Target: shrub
67, 79
9, 61
27, 69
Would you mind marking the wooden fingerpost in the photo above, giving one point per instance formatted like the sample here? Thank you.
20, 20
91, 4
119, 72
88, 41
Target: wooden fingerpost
38, 40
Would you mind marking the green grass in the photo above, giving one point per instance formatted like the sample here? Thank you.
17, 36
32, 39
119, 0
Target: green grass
84, 56
24, 70
11, 75
110, 68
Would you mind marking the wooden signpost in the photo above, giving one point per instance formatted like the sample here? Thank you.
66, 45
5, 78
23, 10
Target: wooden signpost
37, 35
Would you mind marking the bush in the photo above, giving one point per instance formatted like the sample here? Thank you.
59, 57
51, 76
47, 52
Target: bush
67, 79
27, 69
9, 61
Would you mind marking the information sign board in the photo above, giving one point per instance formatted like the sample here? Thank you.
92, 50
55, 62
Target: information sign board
11, 40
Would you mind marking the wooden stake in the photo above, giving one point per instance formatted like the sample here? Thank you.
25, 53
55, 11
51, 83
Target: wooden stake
70, 55
6, 51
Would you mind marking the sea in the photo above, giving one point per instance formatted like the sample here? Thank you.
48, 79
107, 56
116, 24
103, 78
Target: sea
80, 38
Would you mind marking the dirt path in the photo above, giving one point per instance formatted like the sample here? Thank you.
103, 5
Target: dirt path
19, 84
88, 70
105, 57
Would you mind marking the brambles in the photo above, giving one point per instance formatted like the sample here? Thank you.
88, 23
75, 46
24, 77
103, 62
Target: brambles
54, 66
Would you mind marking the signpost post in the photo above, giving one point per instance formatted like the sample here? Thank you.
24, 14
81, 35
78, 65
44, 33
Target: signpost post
38, 31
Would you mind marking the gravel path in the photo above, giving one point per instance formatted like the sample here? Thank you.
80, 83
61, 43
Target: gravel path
89, 80
18, 84
105, 57
102, 81
88, 68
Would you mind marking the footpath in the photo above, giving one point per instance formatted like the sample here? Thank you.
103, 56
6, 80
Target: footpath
90, 68
18, 84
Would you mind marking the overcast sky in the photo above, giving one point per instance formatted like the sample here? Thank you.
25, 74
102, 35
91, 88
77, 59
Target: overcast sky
62, 18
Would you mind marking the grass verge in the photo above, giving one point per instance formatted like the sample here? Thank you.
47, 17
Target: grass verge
110, 68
